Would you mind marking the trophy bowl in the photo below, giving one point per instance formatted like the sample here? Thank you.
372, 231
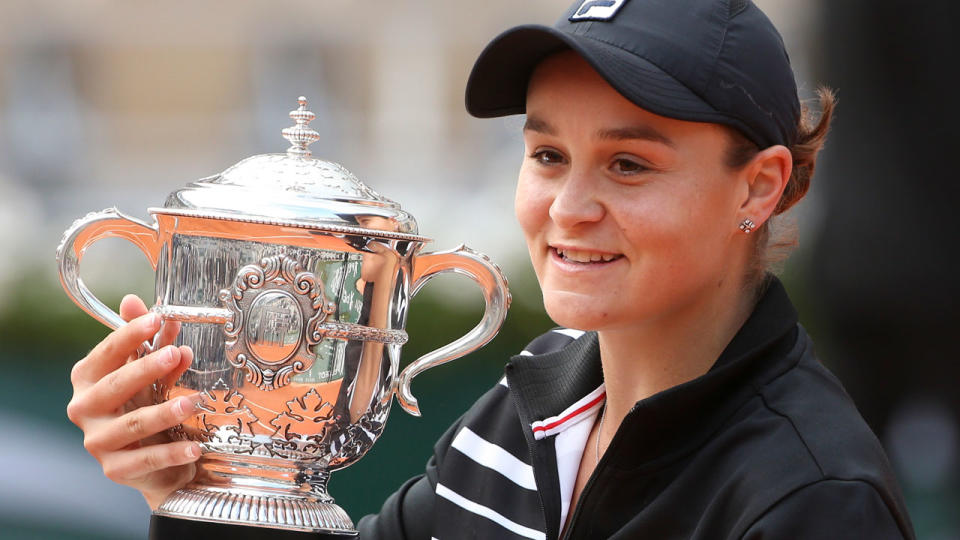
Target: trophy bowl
291, 280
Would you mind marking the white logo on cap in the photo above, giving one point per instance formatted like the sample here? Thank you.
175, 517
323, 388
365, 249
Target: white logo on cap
597, 10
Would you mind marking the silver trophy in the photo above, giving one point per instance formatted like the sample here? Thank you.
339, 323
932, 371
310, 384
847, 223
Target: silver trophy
291, 279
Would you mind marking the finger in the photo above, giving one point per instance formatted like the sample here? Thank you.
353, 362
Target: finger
125, 466
168, 333
116, 387
114, 350
139, 424
186, 359
132, 307
147, 395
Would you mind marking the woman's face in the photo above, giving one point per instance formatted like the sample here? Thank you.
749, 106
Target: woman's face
630, 217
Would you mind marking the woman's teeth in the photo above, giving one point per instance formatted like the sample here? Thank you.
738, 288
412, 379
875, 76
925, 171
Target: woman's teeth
579, 256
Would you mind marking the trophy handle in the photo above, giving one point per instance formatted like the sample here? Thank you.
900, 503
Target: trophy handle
81, 235
475, 265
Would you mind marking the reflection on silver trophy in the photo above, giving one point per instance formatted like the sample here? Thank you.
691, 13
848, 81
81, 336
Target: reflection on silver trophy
291, 279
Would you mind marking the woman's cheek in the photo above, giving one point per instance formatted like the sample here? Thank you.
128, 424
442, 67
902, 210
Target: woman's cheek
532, 205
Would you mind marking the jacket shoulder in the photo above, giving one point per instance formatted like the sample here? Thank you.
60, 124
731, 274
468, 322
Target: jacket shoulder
825, 420
830, 509
829, 437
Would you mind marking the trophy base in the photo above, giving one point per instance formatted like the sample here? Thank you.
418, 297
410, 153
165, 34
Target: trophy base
166, 528
243, 510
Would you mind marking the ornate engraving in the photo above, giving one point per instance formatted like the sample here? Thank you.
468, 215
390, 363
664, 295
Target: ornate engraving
229, 439
300, 451
348, 331
223, 408
192, 314
305, 418
265, 334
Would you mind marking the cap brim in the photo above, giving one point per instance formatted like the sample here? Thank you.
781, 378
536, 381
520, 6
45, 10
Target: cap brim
498, 82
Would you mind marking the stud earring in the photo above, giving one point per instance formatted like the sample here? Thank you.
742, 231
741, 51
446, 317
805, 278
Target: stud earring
747, 225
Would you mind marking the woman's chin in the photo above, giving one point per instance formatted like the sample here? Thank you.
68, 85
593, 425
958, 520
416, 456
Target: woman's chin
581, 316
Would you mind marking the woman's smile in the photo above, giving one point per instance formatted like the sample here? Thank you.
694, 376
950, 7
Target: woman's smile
583, 257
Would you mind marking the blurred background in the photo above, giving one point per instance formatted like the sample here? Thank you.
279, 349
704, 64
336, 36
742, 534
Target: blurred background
107, 103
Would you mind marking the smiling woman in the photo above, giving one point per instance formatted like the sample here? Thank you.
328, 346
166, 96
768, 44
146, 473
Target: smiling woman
680, 398
660, 139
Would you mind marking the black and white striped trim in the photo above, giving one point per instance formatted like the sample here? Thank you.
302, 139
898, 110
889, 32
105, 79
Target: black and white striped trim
495, 489
489, 513
494, 458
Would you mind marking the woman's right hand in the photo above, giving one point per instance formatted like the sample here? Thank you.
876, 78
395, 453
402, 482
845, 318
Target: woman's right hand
113, 405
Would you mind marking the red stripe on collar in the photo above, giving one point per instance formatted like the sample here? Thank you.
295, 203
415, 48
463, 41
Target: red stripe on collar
571, 415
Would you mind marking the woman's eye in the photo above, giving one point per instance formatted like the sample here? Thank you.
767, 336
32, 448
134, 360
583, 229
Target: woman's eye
627, 166
547, 157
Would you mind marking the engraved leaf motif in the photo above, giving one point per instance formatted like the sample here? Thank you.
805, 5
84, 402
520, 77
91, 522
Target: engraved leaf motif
304, 416
223, 407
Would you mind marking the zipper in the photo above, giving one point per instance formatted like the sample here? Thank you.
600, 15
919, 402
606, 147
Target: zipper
583, 495
593, 478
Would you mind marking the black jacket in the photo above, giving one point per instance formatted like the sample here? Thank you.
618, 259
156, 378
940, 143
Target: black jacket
765, 445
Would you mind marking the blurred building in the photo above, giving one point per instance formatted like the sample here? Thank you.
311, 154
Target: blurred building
118, 103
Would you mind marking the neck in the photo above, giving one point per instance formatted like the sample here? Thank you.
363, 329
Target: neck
650, 357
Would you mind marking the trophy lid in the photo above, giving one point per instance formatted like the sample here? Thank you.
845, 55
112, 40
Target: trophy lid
294, 189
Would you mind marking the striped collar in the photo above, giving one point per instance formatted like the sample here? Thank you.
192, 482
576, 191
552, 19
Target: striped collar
582, 409
552, 384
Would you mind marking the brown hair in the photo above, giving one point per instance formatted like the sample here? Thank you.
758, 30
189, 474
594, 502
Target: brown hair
773, 248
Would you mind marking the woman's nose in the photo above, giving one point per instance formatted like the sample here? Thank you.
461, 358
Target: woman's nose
576, 202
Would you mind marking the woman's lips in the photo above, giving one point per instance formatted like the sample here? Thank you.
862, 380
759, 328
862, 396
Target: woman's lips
584, 257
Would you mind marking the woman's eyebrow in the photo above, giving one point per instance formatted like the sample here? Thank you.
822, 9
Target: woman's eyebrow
648, 133
636, 132
540, 126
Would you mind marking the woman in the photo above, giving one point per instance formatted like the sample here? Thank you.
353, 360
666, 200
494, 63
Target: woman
661, 137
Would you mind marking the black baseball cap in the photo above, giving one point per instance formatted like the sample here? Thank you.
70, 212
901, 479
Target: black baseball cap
719, 61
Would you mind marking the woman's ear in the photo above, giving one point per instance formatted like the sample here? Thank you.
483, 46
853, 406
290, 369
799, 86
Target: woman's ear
767, 175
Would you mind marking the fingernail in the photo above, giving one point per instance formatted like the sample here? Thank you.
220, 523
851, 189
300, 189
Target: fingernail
166, 356
187, 405
152, 320
193, 451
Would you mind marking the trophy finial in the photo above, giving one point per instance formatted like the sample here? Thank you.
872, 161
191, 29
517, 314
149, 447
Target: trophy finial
300, 135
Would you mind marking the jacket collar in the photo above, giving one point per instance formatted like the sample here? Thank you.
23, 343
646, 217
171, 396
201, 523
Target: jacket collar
679, 418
